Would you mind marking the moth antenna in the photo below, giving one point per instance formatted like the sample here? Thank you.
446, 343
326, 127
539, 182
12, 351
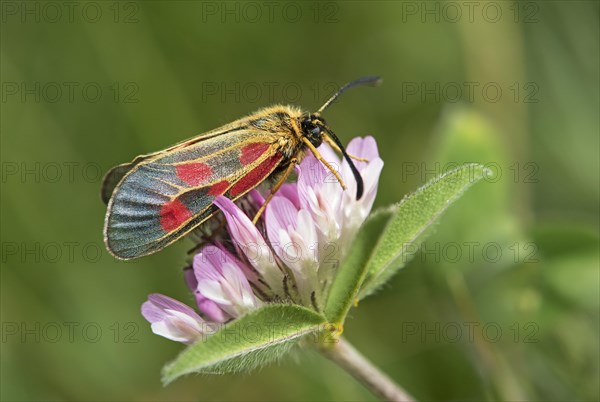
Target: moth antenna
371, 80
359, 181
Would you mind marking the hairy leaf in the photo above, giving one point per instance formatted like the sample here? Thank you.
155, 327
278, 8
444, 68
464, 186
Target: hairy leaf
349, 277
413, 216
254, 339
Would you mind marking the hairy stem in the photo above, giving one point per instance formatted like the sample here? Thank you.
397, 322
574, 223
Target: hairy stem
344, 354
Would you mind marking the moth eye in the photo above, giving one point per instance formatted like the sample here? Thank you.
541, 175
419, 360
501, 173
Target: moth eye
315, 130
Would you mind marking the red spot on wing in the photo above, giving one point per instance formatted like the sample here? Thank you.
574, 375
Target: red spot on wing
218, 188
252, 152
194, 174
255, 176
173, 214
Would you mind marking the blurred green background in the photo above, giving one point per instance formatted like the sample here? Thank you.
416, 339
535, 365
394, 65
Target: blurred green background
500, 303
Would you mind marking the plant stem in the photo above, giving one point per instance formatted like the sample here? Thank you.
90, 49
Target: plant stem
344, 354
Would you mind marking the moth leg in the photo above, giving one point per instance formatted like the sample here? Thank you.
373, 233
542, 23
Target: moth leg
334, 146
275, 188
319, 157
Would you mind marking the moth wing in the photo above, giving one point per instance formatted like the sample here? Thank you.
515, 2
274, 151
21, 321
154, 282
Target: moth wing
161, 198
116, 174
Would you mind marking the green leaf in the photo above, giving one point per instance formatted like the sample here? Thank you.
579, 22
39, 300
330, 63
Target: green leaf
491, 214
417, 212
575, 277
349, 277
254, 339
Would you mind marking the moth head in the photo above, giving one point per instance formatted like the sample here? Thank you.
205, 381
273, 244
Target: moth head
313, 128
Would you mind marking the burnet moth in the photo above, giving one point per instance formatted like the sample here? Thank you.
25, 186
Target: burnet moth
158, 198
